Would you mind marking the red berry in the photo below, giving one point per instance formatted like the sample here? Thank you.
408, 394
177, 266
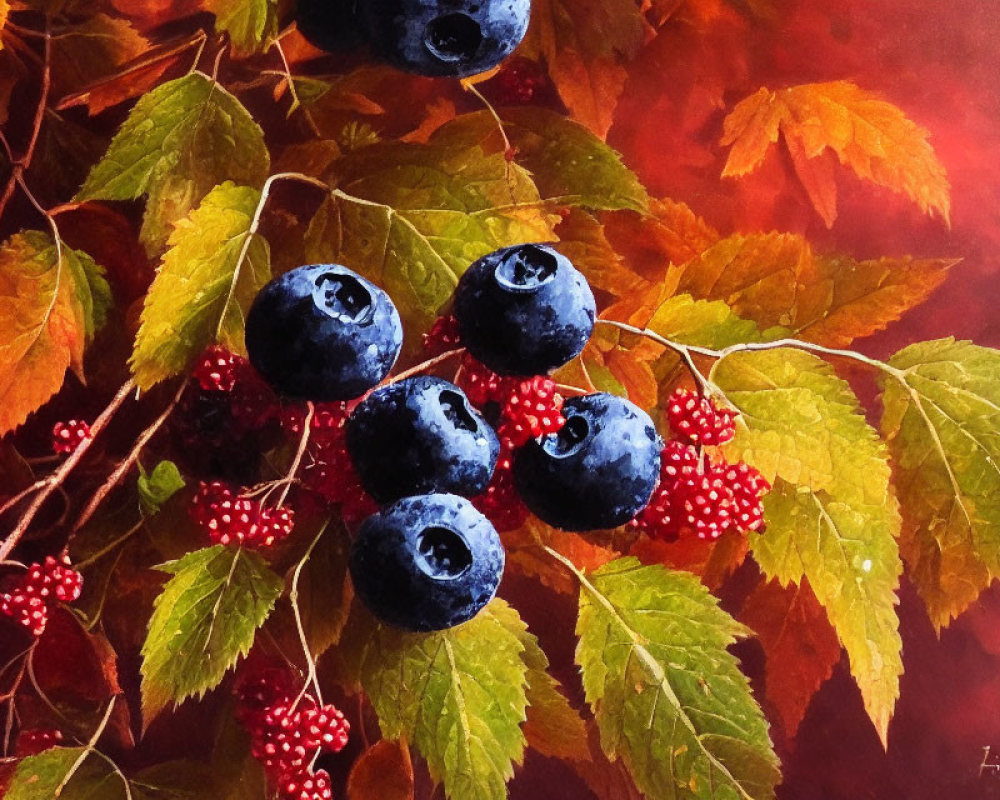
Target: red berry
480, 384
32, 741
305, 784
252, 402
325, 728
26, 610
500, 503
229, 517
519, 81
67, 436
532, 408
699, 420
660, 519
218, 369
704, 505
259, 691
443, 336
748, 487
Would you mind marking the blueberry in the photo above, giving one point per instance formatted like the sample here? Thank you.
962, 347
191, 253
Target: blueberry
322, 332
420, 435
599, 471
524, 310
330, 25
427, 563
446, 37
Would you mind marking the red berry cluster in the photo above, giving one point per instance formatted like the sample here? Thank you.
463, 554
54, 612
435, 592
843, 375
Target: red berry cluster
519, 82
230, 517
32, 741
697, 495
287, 732
44, 584
327, 469
67, 436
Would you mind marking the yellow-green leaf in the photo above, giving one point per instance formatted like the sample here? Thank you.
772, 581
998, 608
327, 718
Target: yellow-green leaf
203, 621
51, 301
942, 421
182, 139
413, 217
38, 777
570, 165
457, 695
831, 515
251, 24
668, 697
214, 268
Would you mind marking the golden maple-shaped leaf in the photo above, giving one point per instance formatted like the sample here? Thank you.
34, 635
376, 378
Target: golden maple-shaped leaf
776, 279
49, 299
868, 134
800, 646
586, 45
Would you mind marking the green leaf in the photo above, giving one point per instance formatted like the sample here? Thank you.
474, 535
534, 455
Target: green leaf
553, 728
705, 323
831, 516
251, 24
942, 422
38, 777
158, 486
570, 164
214, 268
203, 621
413, 217
668, 697
325, 594
51, 301
458, 695
181, 139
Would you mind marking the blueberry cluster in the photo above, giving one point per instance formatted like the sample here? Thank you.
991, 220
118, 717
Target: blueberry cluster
426, 37
426, 450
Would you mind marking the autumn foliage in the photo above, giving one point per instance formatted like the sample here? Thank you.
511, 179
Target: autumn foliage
751, 221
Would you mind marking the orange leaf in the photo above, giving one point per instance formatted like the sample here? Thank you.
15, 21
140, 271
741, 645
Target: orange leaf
818, 177
525, 553
583, 241
383, 772
870, 135
800, 646
440, 111
776, 280
4, 11
713, 562
44, 307
586, 45
97, 47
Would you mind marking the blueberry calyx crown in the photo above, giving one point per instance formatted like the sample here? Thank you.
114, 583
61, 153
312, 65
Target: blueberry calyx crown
571, 438
443, 554
453, 37
526, 268
344, 297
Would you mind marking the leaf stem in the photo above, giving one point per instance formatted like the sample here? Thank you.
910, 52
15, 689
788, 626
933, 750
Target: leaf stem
91, 745
126, 464
55, 480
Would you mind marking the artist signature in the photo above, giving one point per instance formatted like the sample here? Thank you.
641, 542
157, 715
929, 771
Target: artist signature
990, 765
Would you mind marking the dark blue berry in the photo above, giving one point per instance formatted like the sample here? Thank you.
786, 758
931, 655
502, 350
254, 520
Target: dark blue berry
322, 332
445, 37
524, 310
427, 563
330, 25
597, 472
420, 435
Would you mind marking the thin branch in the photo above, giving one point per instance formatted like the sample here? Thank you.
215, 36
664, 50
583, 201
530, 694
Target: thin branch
21, 166
122, 469
424, 366
296, 101
293, 598
299, 453
56, 479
